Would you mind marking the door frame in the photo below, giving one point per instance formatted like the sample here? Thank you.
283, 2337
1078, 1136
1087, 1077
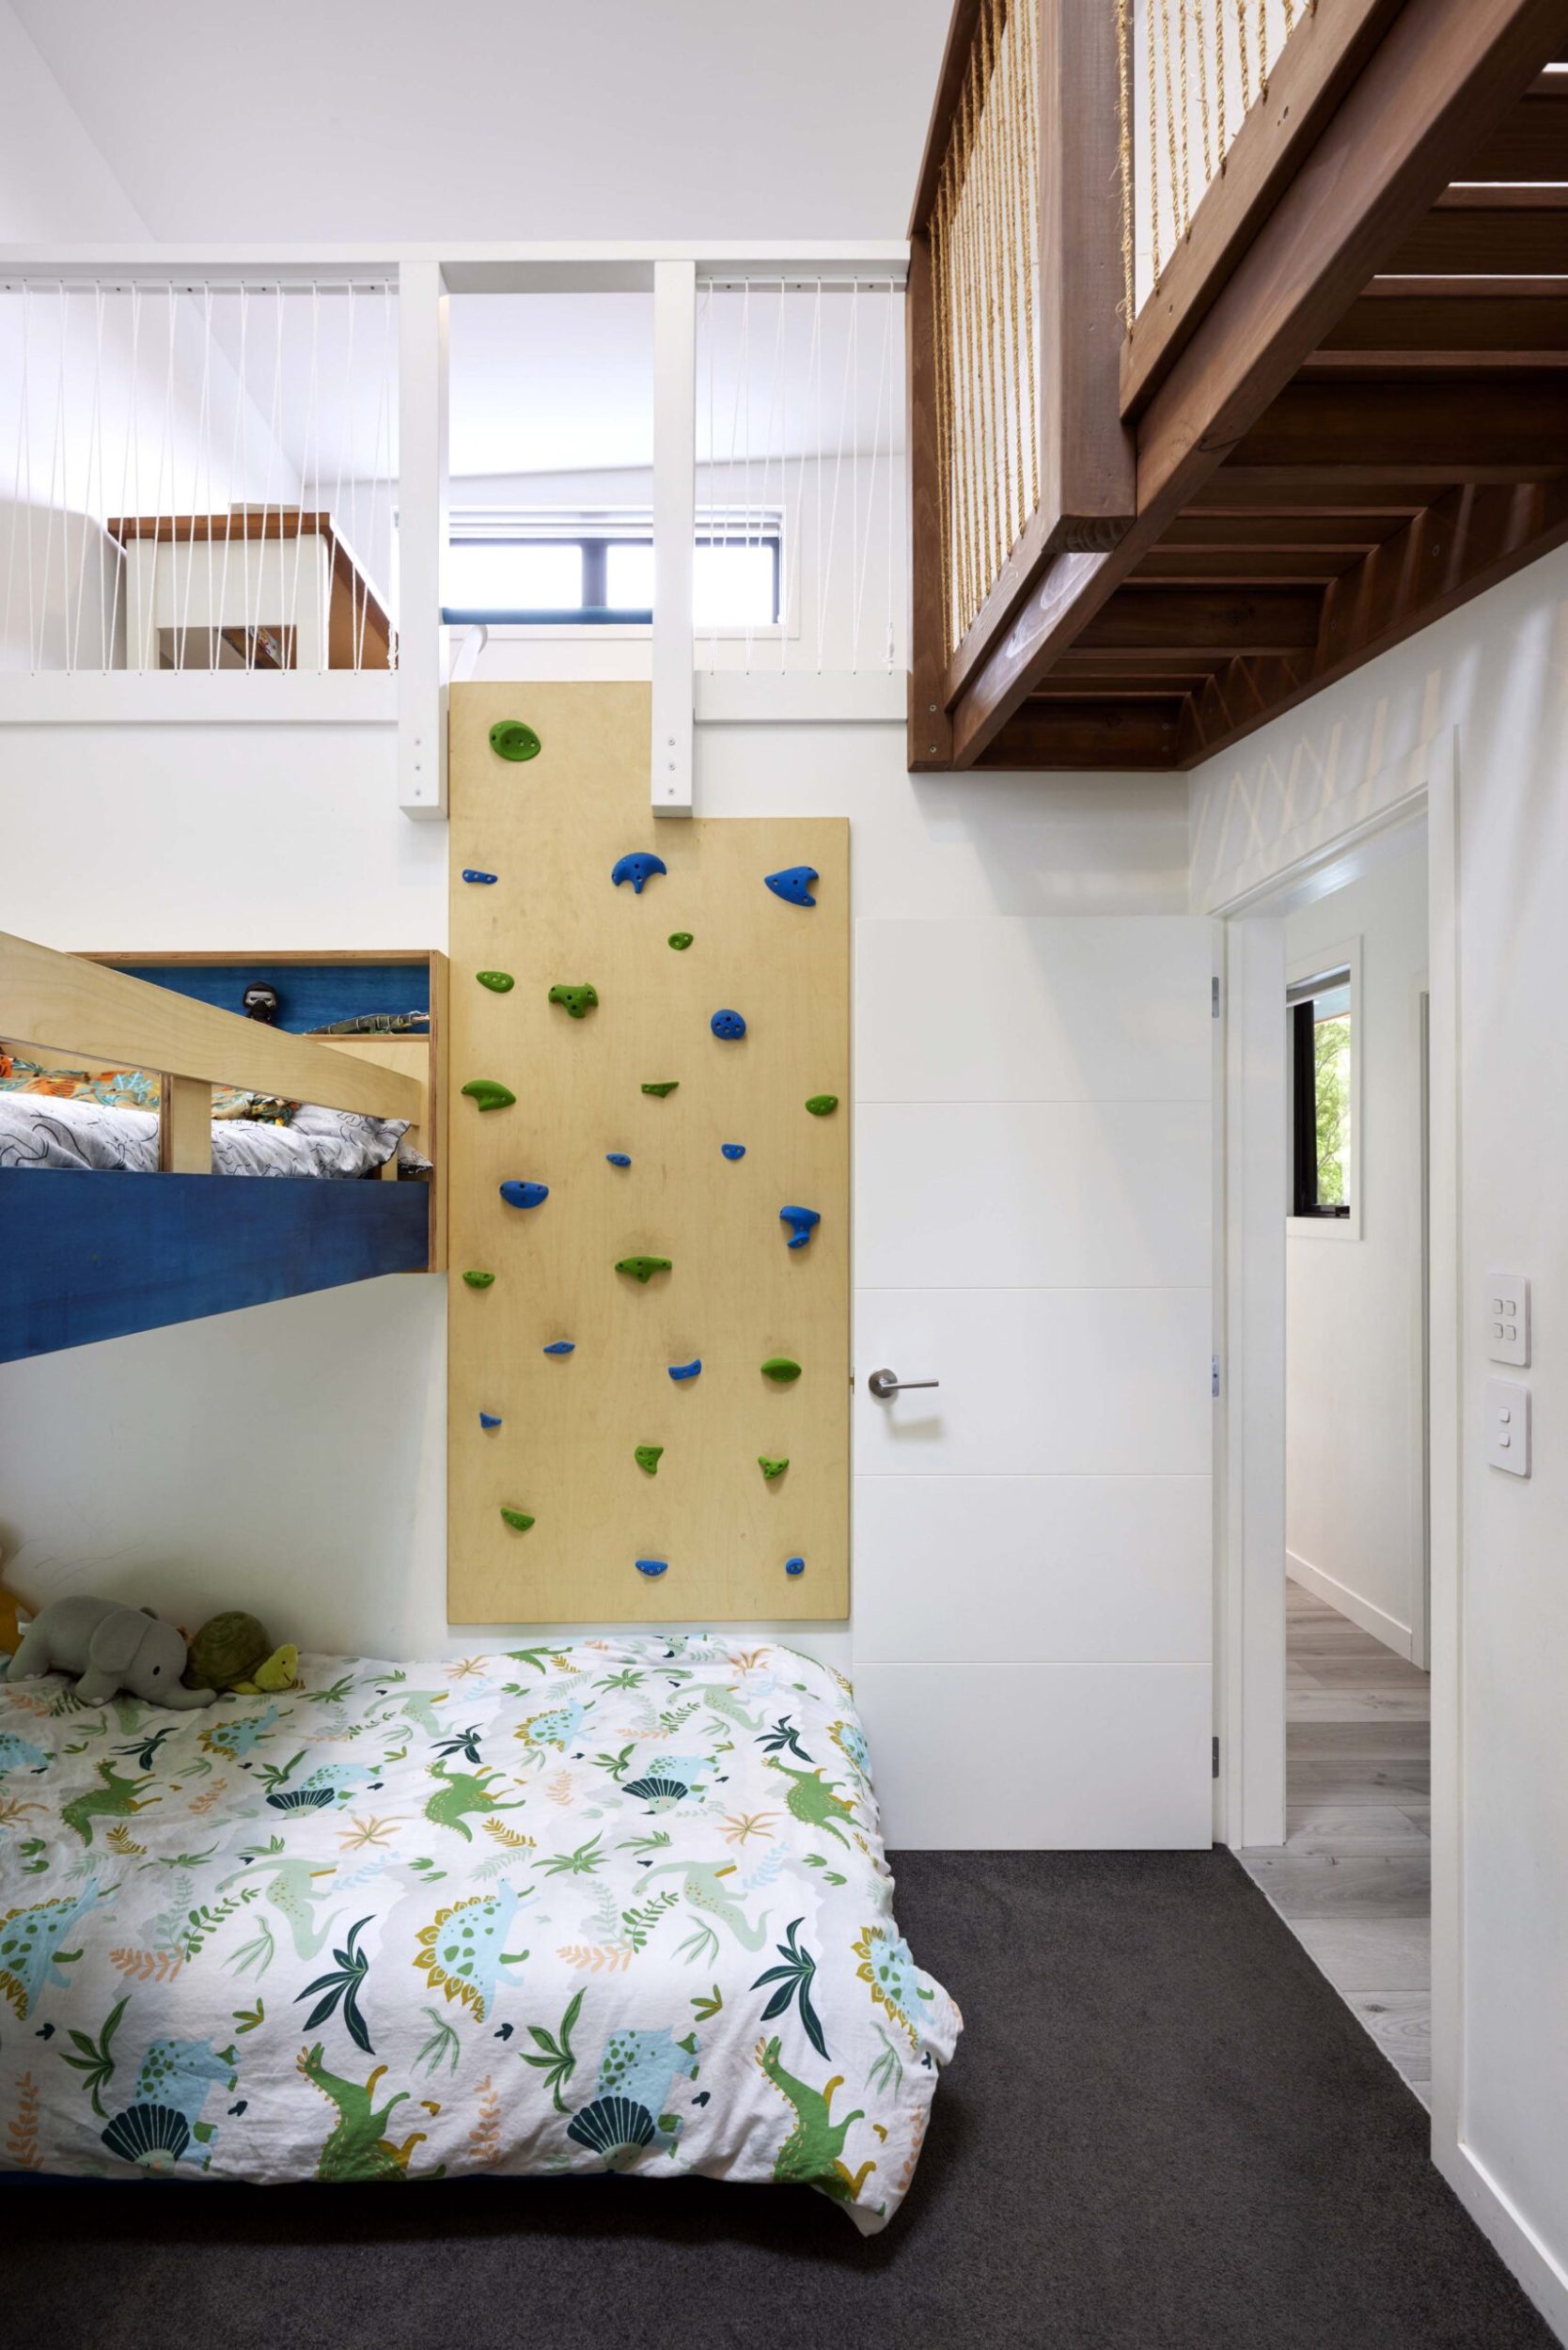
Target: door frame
1251, 1522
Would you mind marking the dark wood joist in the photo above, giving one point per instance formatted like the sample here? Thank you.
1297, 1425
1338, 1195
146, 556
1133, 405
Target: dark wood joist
1463, 431
1255, 567
1292, 534
1466, 542
1488, 232
1444, 75
1089, 734
1206, 621
1532, 140
1477, 316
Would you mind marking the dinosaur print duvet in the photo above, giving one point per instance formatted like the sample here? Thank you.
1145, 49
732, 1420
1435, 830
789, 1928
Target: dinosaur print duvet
618, 1905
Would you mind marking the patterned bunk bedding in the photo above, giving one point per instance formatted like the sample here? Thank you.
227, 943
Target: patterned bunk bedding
620, 1904
37, 1130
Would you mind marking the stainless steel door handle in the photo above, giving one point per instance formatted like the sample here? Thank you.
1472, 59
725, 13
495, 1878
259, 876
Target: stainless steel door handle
886, 1383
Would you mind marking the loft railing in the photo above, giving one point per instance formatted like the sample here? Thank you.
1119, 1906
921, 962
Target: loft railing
1016, 448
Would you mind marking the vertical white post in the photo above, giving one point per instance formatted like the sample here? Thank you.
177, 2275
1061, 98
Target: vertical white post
422, 649
674, 531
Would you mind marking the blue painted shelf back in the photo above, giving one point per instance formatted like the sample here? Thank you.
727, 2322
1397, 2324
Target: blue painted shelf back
310, 995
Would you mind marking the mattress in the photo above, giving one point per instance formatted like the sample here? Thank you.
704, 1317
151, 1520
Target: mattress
45, 1130
616, 1905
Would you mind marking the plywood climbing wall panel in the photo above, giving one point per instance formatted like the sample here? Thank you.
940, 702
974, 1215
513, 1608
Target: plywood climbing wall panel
551, 828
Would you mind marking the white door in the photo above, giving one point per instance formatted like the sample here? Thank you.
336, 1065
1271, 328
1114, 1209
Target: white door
1032, 1556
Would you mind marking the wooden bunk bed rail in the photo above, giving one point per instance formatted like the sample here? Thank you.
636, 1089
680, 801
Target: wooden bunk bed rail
86, 1256
55, 1003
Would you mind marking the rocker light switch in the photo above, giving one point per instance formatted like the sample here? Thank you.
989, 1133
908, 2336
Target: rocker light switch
1508, 1426
1507, 1303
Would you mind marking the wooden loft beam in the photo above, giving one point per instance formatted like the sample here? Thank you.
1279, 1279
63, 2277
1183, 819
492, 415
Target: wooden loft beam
1317, 64
1088, 463
1455, 549
1445, 73
1488, 232
1471, 317
1299, 534
1530, 142
1209, 623
949, 84
1473, 431
1238, 567
1089, 734
1297, 496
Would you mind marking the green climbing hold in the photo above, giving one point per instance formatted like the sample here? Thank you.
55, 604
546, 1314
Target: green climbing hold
666, 1086
579, 1000
780, 1367
642, 1268
510, 738
498, 982
478, 1280
771, 1469
647, 1457
822, 1105
679, 940
519, 1518
488, 1094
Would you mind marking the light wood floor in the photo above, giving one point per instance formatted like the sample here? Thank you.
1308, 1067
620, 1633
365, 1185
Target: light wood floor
1353, 1880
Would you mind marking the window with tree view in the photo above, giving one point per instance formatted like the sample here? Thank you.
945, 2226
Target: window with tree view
1321, 1044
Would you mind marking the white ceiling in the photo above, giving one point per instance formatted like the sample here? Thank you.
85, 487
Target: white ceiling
399, 119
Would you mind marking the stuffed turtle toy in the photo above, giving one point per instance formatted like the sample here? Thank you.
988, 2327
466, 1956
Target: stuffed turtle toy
234, 1651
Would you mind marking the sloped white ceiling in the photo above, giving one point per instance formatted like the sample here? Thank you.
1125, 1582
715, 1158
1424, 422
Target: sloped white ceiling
339, 119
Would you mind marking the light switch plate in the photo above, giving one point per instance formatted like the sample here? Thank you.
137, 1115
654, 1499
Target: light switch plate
1507, 1303
1508, 1426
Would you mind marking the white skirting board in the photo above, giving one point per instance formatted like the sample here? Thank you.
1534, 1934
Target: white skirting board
1346, 1602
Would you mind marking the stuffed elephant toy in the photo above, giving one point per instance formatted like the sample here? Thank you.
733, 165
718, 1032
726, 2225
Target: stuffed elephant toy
112, 1648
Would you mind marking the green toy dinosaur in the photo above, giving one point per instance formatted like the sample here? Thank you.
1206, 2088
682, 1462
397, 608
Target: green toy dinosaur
810, 2155
358, 2146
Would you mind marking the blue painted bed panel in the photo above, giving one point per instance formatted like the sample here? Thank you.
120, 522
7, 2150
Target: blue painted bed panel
309, 993
85, 1257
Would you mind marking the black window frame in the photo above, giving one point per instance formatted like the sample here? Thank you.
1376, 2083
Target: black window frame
1302, 1013
594, 547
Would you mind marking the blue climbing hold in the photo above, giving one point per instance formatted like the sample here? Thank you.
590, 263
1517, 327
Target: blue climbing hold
471, 873
618, 1158
490, 1419
562, 1346
686, 1371
652, 1566
802, 1222
733, 1150
636, 868
793, 882
727, 1024
794, 1566
518, 1193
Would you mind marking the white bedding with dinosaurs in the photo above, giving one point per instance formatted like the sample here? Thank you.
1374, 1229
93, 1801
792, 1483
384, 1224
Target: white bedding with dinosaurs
619, 1904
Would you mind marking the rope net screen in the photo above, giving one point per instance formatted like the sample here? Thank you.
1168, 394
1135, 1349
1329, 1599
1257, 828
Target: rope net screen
800, 439
197, 475
1189, 73
984, 244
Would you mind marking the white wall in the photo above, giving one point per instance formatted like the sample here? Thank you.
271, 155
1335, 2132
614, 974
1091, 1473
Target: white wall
53, 181
1497, 672
293, 1456
1353, 1520
393, 119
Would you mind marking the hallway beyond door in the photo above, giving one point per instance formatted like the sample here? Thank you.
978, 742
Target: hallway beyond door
1353, 1880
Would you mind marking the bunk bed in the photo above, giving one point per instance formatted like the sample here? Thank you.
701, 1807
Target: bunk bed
122, 1205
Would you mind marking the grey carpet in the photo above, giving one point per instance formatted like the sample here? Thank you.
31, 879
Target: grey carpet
1162, 2129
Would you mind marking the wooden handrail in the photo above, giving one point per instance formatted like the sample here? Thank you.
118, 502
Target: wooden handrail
54, 1003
